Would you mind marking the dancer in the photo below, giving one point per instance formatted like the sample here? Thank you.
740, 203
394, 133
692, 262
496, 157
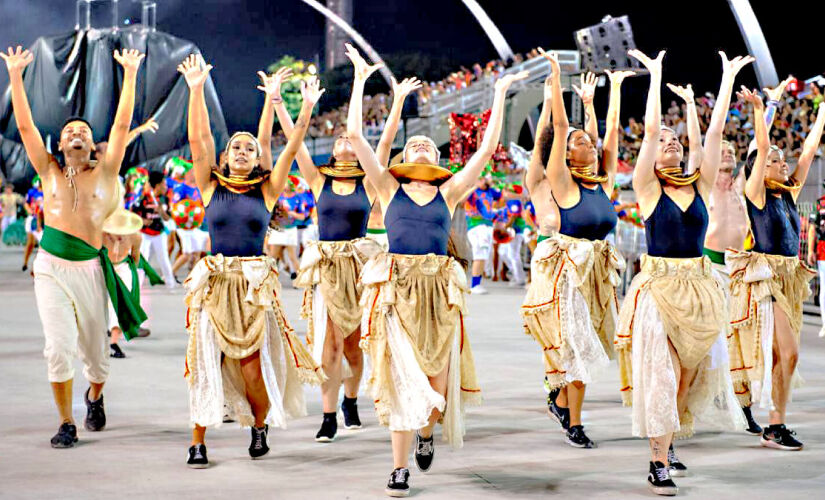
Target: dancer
34, 219
153, 208
72, 272
770, 283
9, 201
673, 323
728, 226
480, 215
412, 327
571, 305
330, 267
242, 353
816, 252
121, 237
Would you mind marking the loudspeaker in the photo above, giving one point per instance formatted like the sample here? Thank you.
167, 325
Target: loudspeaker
605, 45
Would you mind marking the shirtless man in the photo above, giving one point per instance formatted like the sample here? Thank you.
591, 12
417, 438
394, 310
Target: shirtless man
72, 272
728, 220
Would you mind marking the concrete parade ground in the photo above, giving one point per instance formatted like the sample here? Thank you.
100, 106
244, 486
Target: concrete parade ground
512, 448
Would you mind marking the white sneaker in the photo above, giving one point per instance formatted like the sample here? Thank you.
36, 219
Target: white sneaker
479, 290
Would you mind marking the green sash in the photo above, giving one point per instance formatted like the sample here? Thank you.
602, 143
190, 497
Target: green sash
154, 277
542, 238
66, 246
714, 256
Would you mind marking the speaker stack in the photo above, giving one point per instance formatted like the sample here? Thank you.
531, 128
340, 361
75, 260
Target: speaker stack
605, 45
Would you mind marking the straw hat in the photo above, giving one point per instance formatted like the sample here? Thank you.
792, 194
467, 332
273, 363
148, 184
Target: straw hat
122, 222
418, 171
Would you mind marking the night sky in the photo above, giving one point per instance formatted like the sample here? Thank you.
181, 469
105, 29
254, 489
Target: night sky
242, 36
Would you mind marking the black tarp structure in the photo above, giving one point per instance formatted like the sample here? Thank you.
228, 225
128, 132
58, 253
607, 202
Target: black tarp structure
75, 74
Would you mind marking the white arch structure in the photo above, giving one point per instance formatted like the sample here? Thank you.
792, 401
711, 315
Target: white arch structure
356, 37
492, 31
755, 41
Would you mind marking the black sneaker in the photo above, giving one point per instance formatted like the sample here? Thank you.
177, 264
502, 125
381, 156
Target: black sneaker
293, 275
349, 407
561, 415
753, 427
258, 447
197, 457
780, 438
578, 439
66, 436
677, 468
115, 352
95, 414
397, 485
424, 452
659, 481
329, 428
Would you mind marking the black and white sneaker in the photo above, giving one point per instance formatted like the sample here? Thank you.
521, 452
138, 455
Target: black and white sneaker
781, 438
116, 352
349, 407
197, 457
753, 427
659, 481
397, 486
577, 438
424, 452
95, 414
258, 447
329, 428
559, 414
677, 468
66, 436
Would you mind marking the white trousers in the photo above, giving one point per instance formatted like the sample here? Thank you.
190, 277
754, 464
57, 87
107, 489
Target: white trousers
157, 245
72, 302
510, 254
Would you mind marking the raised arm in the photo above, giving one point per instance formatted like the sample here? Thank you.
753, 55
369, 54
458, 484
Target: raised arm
201, 141
130, 59
586, 93
610, 147
458, 184
400, 91
311, 91
809, 148
265, 125
16, 62
713, 135
535, 170
694, 131
377, 174
149, 125
645, 182
755, 184
774, 96
558, 175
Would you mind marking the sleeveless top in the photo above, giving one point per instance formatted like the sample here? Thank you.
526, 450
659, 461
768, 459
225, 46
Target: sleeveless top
775, 227
417, 230
592, 218
673, 233
237, 222
342, 217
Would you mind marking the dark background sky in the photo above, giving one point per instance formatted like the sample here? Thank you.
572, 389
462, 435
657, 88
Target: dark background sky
242, 36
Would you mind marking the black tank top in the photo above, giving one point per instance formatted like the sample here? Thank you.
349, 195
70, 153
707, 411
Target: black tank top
592, 218
417, 230
237, 222
343, 217
775, 227
673, 233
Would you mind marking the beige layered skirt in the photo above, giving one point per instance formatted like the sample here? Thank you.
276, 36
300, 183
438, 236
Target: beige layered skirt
412, 329
234, 311
571, 307
329, 274
757, 280
680, 301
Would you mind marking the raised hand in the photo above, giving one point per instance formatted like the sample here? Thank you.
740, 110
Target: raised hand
730, 68
775, 93
552, 57
617, 77
130, 59
363, 69
548, 88
149, 125
750, 96
194, 71
311, 90
654, 66
405, 88
503, 83
17, 60
271, 84
587, 91
686, 93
